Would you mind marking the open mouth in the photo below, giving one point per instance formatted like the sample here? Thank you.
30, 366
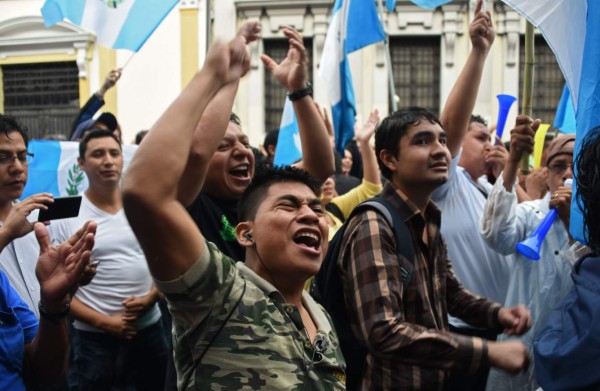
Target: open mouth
242, 171
309, 240
440, 165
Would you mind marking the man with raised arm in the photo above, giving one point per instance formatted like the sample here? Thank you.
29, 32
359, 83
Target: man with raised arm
230, 167
238, 326
462, 198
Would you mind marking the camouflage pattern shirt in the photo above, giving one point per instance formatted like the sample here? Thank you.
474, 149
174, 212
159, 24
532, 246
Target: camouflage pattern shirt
232, 330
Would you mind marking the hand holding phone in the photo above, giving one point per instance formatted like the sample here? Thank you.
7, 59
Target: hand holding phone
61, 208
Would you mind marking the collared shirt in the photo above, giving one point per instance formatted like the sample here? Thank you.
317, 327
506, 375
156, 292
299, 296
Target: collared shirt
18, 260
478, 267
233, 330
406, 329
539, 285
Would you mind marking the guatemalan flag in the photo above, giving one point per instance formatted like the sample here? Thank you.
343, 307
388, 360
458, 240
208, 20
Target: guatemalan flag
572, 30
289, 148
354, 24
118, 24
54, 168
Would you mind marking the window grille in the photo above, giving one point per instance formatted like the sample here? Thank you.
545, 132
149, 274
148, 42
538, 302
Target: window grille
416, 69
43, 96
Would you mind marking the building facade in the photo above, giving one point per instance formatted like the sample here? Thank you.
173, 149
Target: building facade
46, 74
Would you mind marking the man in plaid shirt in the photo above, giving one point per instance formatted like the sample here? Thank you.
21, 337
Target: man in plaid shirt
406, 328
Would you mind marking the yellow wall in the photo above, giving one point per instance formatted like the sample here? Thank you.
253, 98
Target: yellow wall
189, 44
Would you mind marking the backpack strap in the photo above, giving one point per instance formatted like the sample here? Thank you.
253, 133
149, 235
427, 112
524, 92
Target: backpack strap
335, 210
403, 236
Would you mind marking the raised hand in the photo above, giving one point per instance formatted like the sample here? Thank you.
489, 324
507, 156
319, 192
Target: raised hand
292, 72
111, 79
496, 157
536, 183
16, 224
364, 134
481, 30
522, 136
59, 269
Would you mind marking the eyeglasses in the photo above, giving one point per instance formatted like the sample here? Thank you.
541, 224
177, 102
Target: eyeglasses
23, 158
559, 168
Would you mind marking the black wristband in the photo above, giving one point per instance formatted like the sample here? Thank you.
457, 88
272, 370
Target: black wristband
299, 94
54, 317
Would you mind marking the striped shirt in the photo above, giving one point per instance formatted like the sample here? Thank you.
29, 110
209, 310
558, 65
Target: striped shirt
406, 329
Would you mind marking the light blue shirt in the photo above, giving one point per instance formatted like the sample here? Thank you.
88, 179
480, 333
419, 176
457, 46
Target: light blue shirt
480, 269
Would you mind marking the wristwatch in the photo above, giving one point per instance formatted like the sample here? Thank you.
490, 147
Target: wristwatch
301, 93
55, 317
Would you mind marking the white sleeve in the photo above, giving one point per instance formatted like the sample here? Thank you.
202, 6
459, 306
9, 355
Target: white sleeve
504, 220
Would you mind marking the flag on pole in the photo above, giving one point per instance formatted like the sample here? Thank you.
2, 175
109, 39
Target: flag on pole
118, 24
572, 31
365, 30
564, 119
289, 148
54, 168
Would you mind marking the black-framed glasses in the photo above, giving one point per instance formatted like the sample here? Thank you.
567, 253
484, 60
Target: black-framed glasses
22, 157
559, 168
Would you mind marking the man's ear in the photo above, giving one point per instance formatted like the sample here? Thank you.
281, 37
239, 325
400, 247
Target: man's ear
243, 234
271, 150
388, 159
81, 162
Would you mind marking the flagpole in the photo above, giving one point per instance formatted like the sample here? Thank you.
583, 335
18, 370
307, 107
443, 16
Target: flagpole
528, 85
388, 59
128, 60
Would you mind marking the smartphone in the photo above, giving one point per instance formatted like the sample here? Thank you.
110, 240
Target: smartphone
62, 208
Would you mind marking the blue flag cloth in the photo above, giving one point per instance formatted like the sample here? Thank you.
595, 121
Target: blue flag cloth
564, 119
54, 168
354, 24
118, 24
289, 148
572, 31
390, 5
430, 4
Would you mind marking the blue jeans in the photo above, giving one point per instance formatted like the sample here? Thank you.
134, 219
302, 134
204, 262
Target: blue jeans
105, 362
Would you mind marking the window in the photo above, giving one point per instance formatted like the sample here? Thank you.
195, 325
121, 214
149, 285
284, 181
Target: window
416, 68
274, 93
548, 81
43, 96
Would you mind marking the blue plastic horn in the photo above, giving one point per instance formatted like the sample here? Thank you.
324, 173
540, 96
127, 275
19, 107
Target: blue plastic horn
530, 247
504, 104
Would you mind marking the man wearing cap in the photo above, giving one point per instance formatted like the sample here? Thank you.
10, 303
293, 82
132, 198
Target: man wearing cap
539, 285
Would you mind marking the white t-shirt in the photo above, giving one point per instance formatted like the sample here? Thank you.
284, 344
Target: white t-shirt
122, 271
482, 270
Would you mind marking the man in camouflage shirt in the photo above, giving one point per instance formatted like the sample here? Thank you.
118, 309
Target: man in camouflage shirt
236, 326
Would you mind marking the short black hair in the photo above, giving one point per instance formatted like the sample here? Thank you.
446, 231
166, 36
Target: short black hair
95, 133
478, 119
263, 180
140, 136
235, 119
271, 138
588, 187
394, 127
9, 124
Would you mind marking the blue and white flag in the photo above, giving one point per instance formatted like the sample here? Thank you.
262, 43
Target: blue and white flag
564, 119
354, 24
289, 148
118, 24
572, 30
430, 4
54, 168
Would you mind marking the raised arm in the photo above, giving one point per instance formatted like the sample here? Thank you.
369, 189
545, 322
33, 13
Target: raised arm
169, 237
213, 123
461, 100
292, 73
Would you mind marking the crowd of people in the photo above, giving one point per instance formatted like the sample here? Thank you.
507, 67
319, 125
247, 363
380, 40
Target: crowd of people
194, 270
